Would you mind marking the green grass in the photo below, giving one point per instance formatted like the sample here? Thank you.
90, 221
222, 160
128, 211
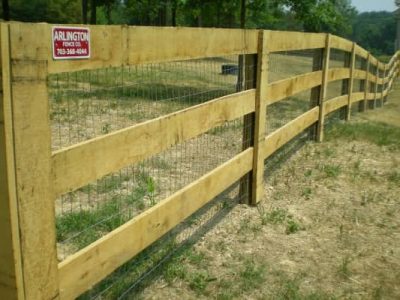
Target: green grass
394, 177
252, 275
374, 132
276, 216
86, 226
331, 170
292, 226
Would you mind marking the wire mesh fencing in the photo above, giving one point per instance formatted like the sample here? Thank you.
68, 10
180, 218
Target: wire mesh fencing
93, 103
88, 104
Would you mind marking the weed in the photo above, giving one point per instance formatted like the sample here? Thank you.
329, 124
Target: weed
292, 226
196, 258
306, 193
252, 276
276, 216
328, 152
344, 270
175, 269
308, 173
394, 177
198, 281
106, 128
331, 171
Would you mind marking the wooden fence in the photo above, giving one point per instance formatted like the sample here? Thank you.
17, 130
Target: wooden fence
32, 176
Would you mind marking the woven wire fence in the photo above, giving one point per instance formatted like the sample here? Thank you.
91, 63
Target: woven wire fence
88, 104
93, 103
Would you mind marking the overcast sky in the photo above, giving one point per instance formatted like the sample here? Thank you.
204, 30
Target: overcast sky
374, 5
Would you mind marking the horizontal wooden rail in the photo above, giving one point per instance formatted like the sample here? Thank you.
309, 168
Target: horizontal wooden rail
359, 74
78, 165
356, 97
280, 137
114, 46
338, 74
281, 89
361, 52
335, 103
290, 41
85, 268
341, 43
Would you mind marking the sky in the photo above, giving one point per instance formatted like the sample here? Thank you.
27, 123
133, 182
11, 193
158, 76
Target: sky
374, 5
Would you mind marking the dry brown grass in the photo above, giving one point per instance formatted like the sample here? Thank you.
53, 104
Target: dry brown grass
328, 228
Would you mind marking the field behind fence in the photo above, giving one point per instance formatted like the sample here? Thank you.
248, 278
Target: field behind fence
104, 156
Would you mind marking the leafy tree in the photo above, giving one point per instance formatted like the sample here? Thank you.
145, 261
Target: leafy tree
375, 31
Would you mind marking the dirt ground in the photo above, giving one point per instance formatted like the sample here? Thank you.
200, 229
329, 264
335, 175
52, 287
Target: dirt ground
327, 228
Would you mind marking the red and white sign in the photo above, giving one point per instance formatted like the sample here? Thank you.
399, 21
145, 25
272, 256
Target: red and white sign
71, 42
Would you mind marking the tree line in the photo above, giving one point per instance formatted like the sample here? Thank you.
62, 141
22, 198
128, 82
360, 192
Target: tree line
375, 31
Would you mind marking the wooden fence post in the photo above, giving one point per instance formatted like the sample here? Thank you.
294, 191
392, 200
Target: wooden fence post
250, 73
11, 280
324, 87
383, 85
373, 104
318, 61
260, 117
346, 84
351, 81
363, 104
31, 139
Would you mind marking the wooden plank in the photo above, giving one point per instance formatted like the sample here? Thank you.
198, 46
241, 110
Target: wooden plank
156, 44
290, 41
250, 80
324, 86
356, 97
32, 139
351, 82
361, 52
260, 118
115, 45
11, 278
363, 104
280, 137
281, 89
78, 165
318, 58
376, 82
383, 86
360, 74
85, 268
335, 103
338, 74
341, 43
346, 84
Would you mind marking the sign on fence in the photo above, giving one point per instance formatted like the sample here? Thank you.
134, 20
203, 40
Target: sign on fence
70, 42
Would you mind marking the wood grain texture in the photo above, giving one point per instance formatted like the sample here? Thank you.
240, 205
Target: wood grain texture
280, 137
288, 87
341, 43
260, 118
82, 270
324, 87
78, 165
32, 138
289, 41
356, 97
360, 74
351, 82
335, 103
11, 278
361, 52
338, 74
